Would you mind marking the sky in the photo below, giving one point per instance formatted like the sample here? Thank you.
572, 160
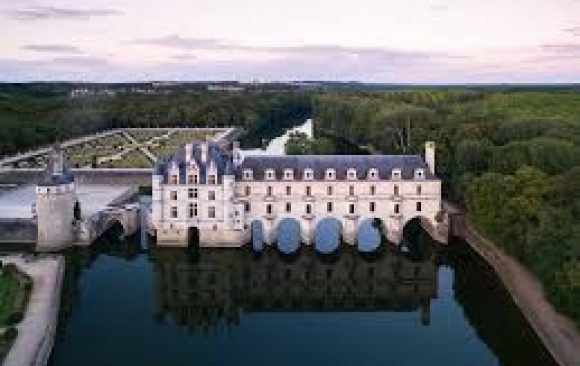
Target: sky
386, 41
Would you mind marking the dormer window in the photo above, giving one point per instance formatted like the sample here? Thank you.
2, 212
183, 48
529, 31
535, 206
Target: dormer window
330, 174
288, 174
174, 179
351, 174
373, 174
308, 174
396, 174
269, 174
419, 174
248, 174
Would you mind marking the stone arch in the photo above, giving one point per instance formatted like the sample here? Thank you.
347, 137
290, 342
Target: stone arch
257, 235
193, 237
114, 229
288, 235
370, 234
415, 233
328, 235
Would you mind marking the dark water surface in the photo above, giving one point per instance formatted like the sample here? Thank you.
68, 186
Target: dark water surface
427, 306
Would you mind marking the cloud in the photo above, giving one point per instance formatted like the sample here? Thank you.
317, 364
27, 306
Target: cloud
50, 12
439, 7
328, 53
52, 48
575, 31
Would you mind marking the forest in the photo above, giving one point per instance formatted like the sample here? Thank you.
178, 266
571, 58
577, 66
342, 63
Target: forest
32, 115
510, 158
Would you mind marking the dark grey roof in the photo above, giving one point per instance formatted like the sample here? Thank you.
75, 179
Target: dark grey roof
215, 153
52, 177
341, 163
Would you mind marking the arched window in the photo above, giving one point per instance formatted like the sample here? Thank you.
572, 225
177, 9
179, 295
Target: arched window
269, 174
419, 173
288, 174
396, 174
330, 174
373, 174
351, 174
308, 174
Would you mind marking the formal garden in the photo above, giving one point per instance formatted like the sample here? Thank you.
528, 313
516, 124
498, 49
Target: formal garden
131, 148
15, 288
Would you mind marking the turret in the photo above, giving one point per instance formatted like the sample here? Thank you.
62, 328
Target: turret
430, 156
237, 156
55, 204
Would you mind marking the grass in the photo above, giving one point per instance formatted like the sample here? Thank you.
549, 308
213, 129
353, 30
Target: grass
133, 159
14, 290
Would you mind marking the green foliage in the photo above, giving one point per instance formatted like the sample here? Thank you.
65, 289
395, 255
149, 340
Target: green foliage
512, 158
300, 144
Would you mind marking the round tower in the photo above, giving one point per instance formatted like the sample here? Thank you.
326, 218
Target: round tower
55, 204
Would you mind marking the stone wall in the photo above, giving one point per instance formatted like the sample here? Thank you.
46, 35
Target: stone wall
141, 177
17, 231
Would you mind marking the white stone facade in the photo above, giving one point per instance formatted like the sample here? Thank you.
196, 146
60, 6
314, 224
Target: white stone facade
204, 192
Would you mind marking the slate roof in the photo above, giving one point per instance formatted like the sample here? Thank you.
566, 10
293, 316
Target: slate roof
51, 177
341, 163
215, 153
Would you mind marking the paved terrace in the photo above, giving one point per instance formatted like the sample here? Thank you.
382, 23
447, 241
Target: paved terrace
17, 203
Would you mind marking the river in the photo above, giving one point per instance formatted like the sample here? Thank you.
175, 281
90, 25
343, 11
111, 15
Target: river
128, 303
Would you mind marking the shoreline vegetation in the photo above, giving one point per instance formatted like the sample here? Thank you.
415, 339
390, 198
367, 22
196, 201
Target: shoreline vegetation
15, 289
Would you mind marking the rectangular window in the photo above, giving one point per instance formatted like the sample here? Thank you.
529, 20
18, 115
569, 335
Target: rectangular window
192, 179
288, 207
247, 190
269, 209
308, 209
396, 190
174, 179
418, 206
195, 210
173, 212
190, 193
418, 189
247, 207
195, 193
372, 207
211, 212
212, 179
351, 190
191, 210
173, 195
329, 207
288, 190
351, 208
308, 190
329, 190
270, 190
397, 209
373, 190
211, 195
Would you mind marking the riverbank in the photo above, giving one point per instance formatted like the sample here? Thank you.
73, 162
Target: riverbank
559, 334
36, 331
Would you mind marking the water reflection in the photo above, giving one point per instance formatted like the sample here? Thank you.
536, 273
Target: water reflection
218, 285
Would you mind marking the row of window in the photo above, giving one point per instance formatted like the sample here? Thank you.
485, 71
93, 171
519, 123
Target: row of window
330, 208
192, 179
330, 174
329, 190
193, 211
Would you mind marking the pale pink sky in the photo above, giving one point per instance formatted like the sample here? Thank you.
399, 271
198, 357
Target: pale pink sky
414, 41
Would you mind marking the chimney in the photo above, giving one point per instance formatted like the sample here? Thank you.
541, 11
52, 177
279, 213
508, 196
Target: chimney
204, 148
237, 153
430, 156
188, 152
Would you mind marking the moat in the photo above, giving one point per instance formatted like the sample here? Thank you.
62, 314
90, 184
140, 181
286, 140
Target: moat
127, 304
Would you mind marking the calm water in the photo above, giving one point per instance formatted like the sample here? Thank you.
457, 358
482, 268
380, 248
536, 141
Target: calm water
425, 306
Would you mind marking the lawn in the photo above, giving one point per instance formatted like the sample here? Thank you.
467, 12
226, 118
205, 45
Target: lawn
15, 289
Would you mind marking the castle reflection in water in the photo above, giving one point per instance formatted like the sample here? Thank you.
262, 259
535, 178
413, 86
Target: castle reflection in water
216, 286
